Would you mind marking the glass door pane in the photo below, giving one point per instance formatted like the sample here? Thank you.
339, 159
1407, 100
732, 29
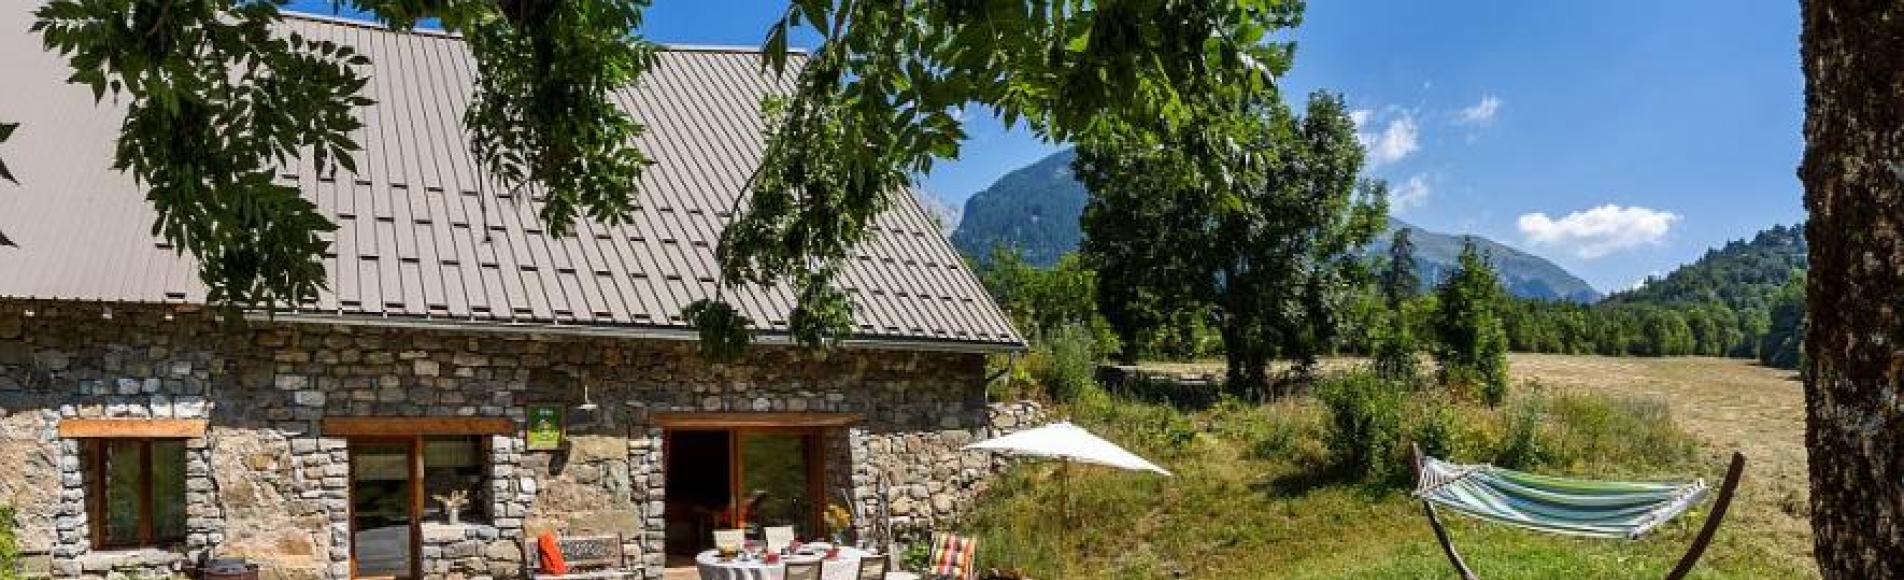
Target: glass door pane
775, 481
124, 475
380, 509
168, 490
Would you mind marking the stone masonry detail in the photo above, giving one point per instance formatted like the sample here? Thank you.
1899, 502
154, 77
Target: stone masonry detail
266, 483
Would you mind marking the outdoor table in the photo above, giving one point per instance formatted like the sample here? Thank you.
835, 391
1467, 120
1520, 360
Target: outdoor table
712, 568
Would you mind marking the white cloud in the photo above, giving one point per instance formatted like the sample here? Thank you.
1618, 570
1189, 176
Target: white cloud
1599, 231
1360, 117
1410, 194
1396, 140
1481, 113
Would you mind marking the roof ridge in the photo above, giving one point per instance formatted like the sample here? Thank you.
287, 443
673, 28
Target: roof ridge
440, 33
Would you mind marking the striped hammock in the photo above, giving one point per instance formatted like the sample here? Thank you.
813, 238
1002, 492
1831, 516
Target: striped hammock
1601, 509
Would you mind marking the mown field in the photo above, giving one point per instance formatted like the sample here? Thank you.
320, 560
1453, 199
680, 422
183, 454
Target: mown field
1254, 496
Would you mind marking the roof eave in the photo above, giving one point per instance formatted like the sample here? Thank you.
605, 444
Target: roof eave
628, 332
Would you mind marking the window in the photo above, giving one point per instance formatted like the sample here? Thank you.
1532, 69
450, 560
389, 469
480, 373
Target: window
456, 464
138, 492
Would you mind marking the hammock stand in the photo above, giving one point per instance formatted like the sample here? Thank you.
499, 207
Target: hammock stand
1686, 562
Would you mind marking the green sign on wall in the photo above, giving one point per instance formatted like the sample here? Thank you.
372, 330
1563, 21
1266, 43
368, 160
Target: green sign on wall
545, 427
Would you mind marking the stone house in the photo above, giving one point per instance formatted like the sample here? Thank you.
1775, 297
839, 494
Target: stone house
458, 351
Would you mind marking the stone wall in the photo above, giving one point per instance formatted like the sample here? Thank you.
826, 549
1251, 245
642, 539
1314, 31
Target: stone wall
269, 485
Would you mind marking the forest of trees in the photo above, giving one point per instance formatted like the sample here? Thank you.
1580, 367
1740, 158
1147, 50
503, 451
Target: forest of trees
1744, 300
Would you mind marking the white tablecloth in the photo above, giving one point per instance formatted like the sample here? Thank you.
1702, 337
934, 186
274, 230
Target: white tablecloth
712, 568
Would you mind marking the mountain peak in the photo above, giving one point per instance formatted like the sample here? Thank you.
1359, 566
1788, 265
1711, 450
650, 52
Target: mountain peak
1035, 209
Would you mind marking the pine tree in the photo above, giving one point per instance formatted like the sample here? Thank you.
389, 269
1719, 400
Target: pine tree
1400, 282
1395, 348
1472, 345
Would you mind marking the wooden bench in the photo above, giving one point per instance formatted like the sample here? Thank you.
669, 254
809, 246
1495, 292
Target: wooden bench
588, 557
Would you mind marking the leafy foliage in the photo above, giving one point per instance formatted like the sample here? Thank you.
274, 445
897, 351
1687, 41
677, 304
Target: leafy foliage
217, 101
542, 113
1365, 424
6, 132
1251, 222
1064, 362
9, 544
875, 104
1045, 301
721, 345
1471, 344
1783, 344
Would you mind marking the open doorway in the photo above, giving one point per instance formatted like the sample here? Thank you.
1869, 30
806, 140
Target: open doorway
748, 478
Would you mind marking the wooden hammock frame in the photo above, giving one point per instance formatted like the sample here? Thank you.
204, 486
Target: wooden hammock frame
1686, 562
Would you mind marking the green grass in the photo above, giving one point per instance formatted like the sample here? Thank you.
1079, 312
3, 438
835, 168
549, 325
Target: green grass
1255, 497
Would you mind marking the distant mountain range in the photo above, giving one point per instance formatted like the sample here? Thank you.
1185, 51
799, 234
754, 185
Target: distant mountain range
1035, 209
1523, 274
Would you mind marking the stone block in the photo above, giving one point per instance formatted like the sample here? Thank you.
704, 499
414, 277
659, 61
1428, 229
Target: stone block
292, 382
308, 398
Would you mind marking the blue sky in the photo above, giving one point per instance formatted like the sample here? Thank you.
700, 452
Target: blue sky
1617, 138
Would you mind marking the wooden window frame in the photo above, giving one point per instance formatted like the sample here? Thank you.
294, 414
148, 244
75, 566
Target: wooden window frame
96, 495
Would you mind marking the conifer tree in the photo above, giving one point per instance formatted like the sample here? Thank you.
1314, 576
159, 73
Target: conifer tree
1472, 342
1395, 347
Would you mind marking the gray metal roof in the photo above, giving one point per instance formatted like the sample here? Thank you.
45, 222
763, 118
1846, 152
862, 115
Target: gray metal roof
411, 242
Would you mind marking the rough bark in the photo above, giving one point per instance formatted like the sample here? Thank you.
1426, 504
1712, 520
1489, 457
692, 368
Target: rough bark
1853, 173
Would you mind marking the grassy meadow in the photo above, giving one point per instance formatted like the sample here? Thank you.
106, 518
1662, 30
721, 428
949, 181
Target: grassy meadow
1258, 496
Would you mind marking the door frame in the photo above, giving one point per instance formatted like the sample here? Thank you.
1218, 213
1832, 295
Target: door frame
414, 460
815, 460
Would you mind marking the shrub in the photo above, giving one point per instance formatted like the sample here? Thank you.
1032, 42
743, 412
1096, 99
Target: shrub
1065, 363
1144, 427
9, 546
1520, 446
1436, 429
1364, 424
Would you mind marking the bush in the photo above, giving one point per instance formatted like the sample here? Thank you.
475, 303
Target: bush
1436, 432
1364, 424
9, 546
1521, 441
1147, 428
1065, 363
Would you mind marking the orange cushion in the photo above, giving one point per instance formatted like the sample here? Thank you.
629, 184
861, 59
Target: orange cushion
551, 554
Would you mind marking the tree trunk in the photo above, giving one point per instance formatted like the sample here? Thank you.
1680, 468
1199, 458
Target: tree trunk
1247, 374
1853, 172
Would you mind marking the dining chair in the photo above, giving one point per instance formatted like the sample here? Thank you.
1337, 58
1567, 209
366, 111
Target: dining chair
778, 537
872, 567
803, 571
